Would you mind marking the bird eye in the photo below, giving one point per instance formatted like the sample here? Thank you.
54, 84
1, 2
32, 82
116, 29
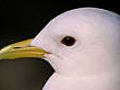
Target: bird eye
68, 41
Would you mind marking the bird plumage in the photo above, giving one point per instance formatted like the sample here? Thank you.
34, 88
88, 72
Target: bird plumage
83, 47
92, 63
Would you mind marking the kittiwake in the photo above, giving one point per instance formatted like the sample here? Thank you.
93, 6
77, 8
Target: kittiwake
83, 47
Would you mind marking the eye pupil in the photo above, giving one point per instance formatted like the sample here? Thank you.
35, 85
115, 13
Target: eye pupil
68, 41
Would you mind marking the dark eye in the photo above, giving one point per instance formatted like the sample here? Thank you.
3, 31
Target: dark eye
68, 41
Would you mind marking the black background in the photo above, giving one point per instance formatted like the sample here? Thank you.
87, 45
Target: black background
23, 19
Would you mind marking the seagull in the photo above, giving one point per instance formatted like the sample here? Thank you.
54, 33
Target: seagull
83, 47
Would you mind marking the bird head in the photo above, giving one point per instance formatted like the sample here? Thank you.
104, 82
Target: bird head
82, 41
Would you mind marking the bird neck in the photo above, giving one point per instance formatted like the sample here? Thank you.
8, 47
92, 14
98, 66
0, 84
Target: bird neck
96, 82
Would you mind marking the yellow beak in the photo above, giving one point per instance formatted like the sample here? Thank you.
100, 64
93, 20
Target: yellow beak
21, 50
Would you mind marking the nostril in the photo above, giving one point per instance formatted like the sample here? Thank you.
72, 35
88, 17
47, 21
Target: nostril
22, 47
17, 47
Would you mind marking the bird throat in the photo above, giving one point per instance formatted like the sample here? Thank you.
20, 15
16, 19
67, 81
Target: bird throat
98, 82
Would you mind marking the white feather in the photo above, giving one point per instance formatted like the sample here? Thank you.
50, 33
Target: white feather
93, 62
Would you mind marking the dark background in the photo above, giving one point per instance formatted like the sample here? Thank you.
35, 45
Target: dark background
23, 19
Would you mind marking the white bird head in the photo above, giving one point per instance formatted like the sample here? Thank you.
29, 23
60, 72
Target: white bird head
82, 41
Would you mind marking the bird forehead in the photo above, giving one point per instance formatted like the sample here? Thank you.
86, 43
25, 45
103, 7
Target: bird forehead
81, 18
83, 21
85, 14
